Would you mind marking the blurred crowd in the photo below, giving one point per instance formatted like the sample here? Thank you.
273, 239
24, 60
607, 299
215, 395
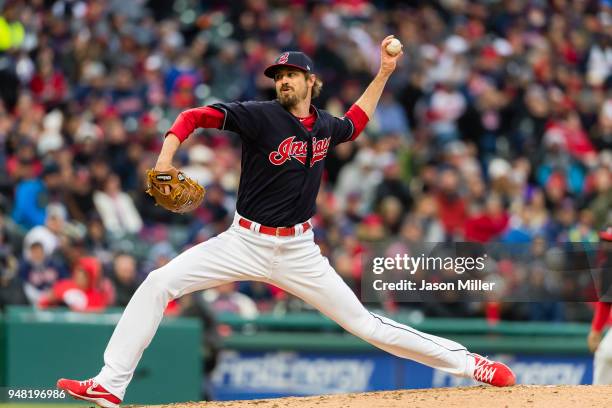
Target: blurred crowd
495, 127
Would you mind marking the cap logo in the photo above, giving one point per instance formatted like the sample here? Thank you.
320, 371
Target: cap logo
283, 58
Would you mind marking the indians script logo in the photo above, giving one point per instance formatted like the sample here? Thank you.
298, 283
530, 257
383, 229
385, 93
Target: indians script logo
283, 58
296, 149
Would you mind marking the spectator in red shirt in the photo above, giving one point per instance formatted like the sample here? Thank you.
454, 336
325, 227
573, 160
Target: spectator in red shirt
86, 291
488, 224
48, 84
572, 137
451, 206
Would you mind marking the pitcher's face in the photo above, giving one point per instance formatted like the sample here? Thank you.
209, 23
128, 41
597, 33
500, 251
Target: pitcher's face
292, 86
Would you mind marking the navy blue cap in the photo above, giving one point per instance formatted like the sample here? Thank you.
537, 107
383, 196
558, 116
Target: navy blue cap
295, 59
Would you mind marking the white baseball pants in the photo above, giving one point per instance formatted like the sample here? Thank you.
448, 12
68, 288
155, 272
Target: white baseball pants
602, 362
294, 264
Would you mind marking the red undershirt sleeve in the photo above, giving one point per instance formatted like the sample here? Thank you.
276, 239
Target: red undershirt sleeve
602, 314
191, 119
359, 119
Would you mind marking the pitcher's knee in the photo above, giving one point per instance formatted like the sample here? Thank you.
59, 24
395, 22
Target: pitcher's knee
161, 282
365, 328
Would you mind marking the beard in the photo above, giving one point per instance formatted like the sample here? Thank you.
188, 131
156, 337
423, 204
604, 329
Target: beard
291, 99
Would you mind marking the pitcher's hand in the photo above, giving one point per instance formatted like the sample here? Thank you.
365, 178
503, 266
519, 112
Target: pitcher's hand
388, 62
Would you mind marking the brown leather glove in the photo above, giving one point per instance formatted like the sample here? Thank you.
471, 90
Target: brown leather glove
185, 194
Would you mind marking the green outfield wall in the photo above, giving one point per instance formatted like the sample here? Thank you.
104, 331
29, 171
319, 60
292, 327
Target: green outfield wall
38, 347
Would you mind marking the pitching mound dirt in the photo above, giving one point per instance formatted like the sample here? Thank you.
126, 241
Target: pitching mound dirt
521, 396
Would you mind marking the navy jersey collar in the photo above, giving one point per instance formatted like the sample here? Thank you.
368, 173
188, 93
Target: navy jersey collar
297, 120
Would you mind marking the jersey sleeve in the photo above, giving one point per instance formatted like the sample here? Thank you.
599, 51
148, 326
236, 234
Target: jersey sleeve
191, 119
350, 126
241, 118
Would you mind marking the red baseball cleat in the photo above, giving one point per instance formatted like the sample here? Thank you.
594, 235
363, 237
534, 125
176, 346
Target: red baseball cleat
89, 390
493, 372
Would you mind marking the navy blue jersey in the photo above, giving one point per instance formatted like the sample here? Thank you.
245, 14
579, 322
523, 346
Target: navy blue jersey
282, 161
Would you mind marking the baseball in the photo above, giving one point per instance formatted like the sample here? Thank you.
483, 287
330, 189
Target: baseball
394, 47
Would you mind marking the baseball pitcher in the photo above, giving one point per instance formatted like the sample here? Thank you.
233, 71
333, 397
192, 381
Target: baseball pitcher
284, 145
